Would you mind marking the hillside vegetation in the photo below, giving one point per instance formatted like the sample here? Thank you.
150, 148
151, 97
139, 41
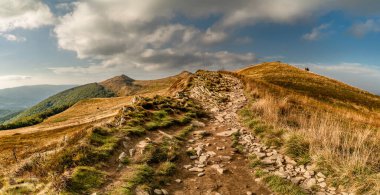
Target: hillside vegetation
312, 85
125, 86
270, 128
56, 104
322, 121
19, 98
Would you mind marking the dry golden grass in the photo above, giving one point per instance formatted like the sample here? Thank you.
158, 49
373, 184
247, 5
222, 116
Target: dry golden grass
48, 135
344, 138
125, 86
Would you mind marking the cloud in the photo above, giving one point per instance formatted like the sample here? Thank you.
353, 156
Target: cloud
352, 68
356, 74
12, 37
24, 14
362, 28
14, 77
149, 34
317, 32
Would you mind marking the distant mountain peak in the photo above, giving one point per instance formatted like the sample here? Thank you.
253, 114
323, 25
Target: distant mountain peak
120, 78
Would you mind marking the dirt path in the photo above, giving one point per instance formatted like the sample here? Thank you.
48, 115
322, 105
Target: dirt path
215, 167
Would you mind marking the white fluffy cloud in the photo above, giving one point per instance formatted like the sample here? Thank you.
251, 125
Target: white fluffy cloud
12, 37
146, 34
317, 32
362, 28
25, 14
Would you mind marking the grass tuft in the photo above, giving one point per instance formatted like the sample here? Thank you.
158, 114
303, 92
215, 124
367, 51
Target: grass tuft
84, 179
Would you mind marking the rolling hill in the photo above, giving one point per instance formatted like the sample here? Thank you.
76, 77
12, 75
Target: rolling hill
56, 104
312, 85
18, 98
120, 86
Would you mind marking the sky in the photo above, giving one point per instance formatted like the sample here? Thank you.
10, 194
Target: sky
77, 42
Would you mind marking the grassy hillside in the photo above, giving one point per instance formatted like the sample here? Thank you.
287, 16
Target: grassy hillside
18, 98
321, 120
312, 85
56, 104
6, 115
124, 86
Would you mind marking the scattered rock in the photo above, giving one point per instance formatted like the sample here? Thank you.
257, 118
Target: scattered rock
260, 154
296, 180
196, 123
131, 152
309, 183
165, 192
142, 144
227, 133
319, 174
157, 191
290, 161
187, 166
225, 158
193, 157
268, 161
323, 184
203, 159
122, 156
196, 169
141, 192
201, 174
178, 181
219, 169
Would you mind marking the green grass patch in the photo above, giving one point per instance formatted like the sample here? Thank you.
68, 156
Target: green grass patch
184, 132
134, 131
166, 168
143, 174
85, 179
282, 186
298, 148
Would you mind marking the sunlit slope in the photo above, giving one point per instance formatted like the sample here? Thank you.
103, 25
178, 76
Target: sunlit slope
124, 86
60, 102
312, 85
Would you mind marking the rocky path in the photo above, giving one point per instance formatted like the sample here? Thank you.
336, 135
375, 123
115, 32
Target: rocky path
214, 166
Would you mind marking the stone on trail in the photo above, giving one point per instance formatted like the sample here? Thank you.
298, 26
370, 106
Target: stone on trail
165, 192
196, 169
157, 191
122, 156
202, 159
219, 118
131, 152
196, 123
227, 133
296, 180
201, 174
178, 180
219, 169
309, 183
141, 192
